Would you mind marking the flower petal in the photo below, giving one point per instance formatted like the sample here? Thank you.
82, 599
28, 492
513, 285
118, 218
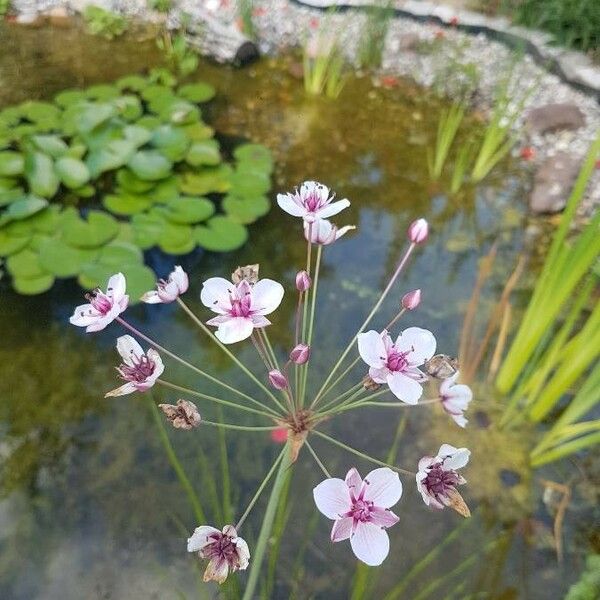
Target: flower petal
383, 517
84, 315
332, 497
419, 343
404, 388
379, 375
370, 543
199, 538
372, 349
151, 297
234, 330
180, 278
458, 460
354, 481
127, 388
342, 529
115, 288
383, 487
266, 296
286, 203
260, 321
216, 293
332, 209
216, 570
128, 348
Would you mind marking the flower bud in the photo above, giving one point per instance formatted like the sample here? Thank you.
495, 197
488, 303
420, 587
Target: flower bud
300, 354
303, 281
418, 231
411, 300
277, 379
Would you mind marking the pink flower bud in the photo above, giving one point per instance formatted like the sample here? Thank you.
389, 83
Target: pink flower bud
279, 435
418, 231
303, 281
411, 300
277, 379
300, 354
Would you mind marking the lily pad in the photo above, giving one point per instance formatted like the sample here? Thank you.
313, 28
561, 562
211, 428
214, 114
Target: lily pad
102, 92
99, 229
11, 163
255, 156
134, 83
249, 184
198, 131
139, 278
72, 172
176, 239
32, 287
126, 204
171, 141
114, 155
39, 171
130, 182
137, 134
118, 254
150, 165
23, 208
221, 234
69, 97
147, 229
246, 210
91, 115
25, 264
208, 180
52, 145
188, 210
129, 107
62, 260
197, 92
205, 152
9, 244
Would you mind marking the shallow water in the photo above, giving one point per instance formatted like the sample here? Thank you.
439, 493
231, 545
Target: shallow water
90, 506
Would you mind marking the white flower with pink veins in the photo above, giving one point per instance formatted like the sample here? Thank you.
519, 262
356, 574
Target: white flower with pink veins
311, 202
397, 363
240, 307
361, 510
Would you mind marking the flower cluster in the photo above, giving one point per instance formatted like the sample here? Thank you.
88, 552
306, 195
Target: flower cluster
403, 364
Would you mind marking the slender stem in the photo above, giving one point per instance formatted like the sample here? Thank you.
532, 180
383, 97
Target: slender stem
359, 453
260, 489
369, 316
352, 390
339, 378
224, 348
239, 427
263, 331
262, 351
267, 524
395, 319
362, 403
272, 414
225, 478
314, 455
177, 466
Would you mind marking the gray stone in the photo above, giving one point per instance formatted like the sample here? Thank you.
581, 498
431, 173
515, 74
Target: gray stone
553, 182
552, 117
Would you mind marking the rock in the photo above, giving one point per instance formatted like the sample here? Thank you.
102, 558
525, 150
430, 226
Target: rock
410, 41
553, 182
551, 117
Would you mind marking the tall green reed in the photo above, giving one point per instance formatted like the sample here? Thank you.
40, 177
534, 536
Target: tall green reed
448, 125
373, 34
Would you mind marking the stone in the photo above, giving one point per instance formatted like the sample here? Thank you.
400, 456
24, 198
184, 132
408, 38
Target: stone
552, 117
553, 182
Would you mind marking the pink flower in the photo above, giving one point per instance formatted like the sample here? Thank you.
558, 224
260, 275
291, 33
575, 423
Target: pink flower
170, 290
303, 281
361, 510
224, 550
397, 363
324, 232
311, 202
438, 477
139, 370
241, 307
455, 399
411, 300
103, 308
300, 354
277, 379
418, 231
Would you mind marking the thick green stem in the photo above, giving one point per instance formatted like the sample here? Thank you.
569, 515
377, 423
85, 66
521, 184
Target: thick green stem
267, 524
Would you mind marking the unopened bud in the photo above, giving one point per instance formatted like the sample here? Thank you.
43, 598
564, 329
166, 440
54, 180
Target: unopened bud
300, 354
411, 300
303, 281
277, 379
418, 231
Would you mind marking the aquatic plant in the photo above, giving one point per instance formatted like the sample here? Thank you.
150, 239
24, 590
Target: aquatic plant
360, 507
245, 11
373, 34
105, 23
448, 125
179, 56
94, 178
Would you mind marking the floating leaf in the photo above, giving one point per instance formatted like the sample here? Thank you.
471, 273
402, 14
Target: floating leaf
9, 196
197, 92
47, 220
61, 259
176, 239
52, 145
139, 278
32, 287
92, 115
179, 112
69, 97
114, 155
36, 111
198, 131
126, 203
99, 229
147, 229
246, 210
72, 172
11, 164
118, 254
255, 156
205, 152
150, 165
188, 210
25, 264
166, 190
9, 244
137, 135
130, 182
171, 141
221, 234
150, 92
249, 184
129, 107
135, 83
149, 122
102, 92
207, 181
23, 208
39, 171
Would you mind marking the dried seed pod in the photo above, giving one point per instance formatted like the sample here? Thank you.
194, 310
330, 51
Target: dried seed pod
441, 366
456, 502
369, 384
183, 415
248, 273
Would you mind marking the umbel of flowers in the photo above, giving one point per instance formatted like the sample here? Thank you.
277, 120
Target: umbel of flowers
397, 366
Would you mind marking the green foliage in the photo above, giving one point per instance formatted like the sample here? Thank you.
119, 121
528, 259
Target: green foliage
323, 66
104, 22
557, 343
373, 34
162, 6
4, 6
138, 149
588, 586
180, 58
448, 125
244, 10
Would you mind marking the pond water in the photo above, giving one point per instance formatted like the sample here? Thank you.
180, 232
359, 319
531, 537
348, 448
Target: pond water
90, 506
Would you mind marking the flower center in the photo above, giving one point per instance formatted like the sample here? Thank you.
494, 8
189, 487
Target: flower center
361, 510
440, 482
222, 547
142, 368
397, 361
99, 301
313, 202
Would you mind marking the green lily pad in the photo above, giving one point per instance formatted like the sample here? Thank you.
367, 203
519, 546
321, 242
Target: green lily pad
255, 156
205, 152
72, 172
25, 264
85, 191
112, 156
176, 239
249, 184
149, 122
131, 183
23, 208
177, 111
246, 210
135, 83
150, 165
9, 244
166, 190
52, 145
76, 150
11, 163
152, 91
69, 97
92, 115
221, 234
209, 180
99, 229
139, 278
126, 204
198, 131
39, 171
36, 111
9, 196
47, 220
129, 107
102, 92
117, 254
137, 134
171, 141
62, 260
197, 92
147, 229
188, 210
32, 287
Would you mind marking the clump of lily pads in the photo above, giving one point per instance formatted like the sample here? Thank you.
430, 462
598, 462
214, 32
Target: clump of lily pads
91, 180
